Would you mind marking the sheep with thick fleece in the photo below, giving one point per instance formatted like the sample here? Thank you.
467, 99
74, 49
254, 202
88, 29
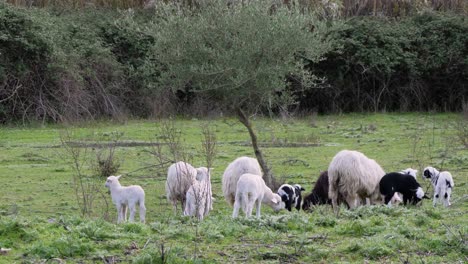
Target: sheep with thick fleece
126, 196
233, 172
180, 176
354, 177
199, 200
442, 183
251, 189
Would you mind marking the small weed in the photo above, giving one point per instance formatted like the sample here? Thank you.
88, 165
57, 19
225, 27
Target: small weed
325, 221
135, 228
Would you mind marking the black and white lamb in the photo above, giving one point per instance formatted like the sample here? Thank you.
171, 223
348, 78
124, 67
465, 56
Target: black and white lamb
394, 182
291, 195
442, 183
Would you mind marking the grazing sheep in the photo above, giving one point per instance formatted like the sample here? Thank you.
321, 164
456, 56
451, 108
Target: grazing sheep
442, 183
199, 200
394, 182
291, 195
319, 194
180, 176
252, 189
126, 196
233, 172
352, 175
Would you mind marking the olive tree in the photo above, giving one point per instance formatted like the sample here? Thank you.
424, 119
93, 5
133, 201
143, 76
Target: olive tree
237, 54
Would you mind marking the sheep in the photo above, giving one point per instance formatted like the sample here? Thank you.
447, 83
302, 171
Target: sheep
291, 195
352, 175
319, 194
394, 182
233, 172
251, 189
180, 176
199, 200
442, 183
126, 196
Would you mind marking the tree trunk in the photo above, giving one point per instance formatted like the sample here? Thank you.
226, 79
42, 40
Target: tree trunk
267, 176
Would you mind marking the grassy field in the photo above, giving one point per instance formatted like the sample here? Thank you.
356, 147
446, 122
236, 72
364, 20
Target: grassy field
40, 219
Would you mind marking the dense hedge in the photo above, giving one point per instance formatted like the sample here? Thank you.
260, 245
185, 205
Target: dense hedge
61, 65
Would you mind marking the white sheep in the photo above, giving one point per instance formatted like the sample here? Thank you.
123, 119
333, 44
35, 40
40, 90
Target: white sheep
180, 176
199, 200
442, 183
354, 177
251, 189
126, 196
233, 172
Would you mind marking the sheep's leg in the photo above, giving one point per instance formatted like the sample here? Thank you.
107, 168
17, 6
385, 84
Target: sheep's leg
237, 205
449, 194
132, 212
142, 212
259, 205
436, 196
125, 211
119, 213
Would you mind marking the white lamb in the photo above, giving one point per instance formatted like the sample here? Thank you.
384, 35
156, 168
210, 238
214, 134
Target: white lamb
199, 200
354, 177
251, 189
180, 176
126, 196
442, 183
233, 172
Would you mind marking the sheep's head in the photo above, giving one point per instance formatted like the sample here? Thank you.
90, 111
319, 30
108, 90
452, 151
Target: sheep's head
418, 196
430, 172
411, 172
276, 203
299, 187
203, 173
112, 180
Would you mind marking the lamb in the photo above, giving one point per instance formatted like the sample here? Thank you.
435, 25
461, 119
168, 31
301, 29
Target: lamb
394, 182
180, 176
124, 197
442, 183
319, 194
251, 189
291, 195
233, 172
353, 175
199, 200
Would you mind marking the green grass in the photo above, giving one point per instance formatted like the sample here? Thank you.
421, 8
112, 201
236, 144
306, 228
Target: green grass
40, 219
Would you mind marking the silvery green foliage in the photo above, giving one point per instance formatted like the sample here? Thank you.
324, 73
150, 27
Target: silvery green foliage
238, 54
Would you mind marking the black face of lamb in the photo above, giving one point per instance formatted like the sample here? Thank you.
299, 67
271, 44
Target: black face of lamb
397, 182
427, 174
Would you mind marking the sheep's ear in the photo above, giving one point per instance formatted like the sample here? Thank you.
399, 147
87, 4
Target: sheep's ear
118, 177
302, 189
274, 200
426, 197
